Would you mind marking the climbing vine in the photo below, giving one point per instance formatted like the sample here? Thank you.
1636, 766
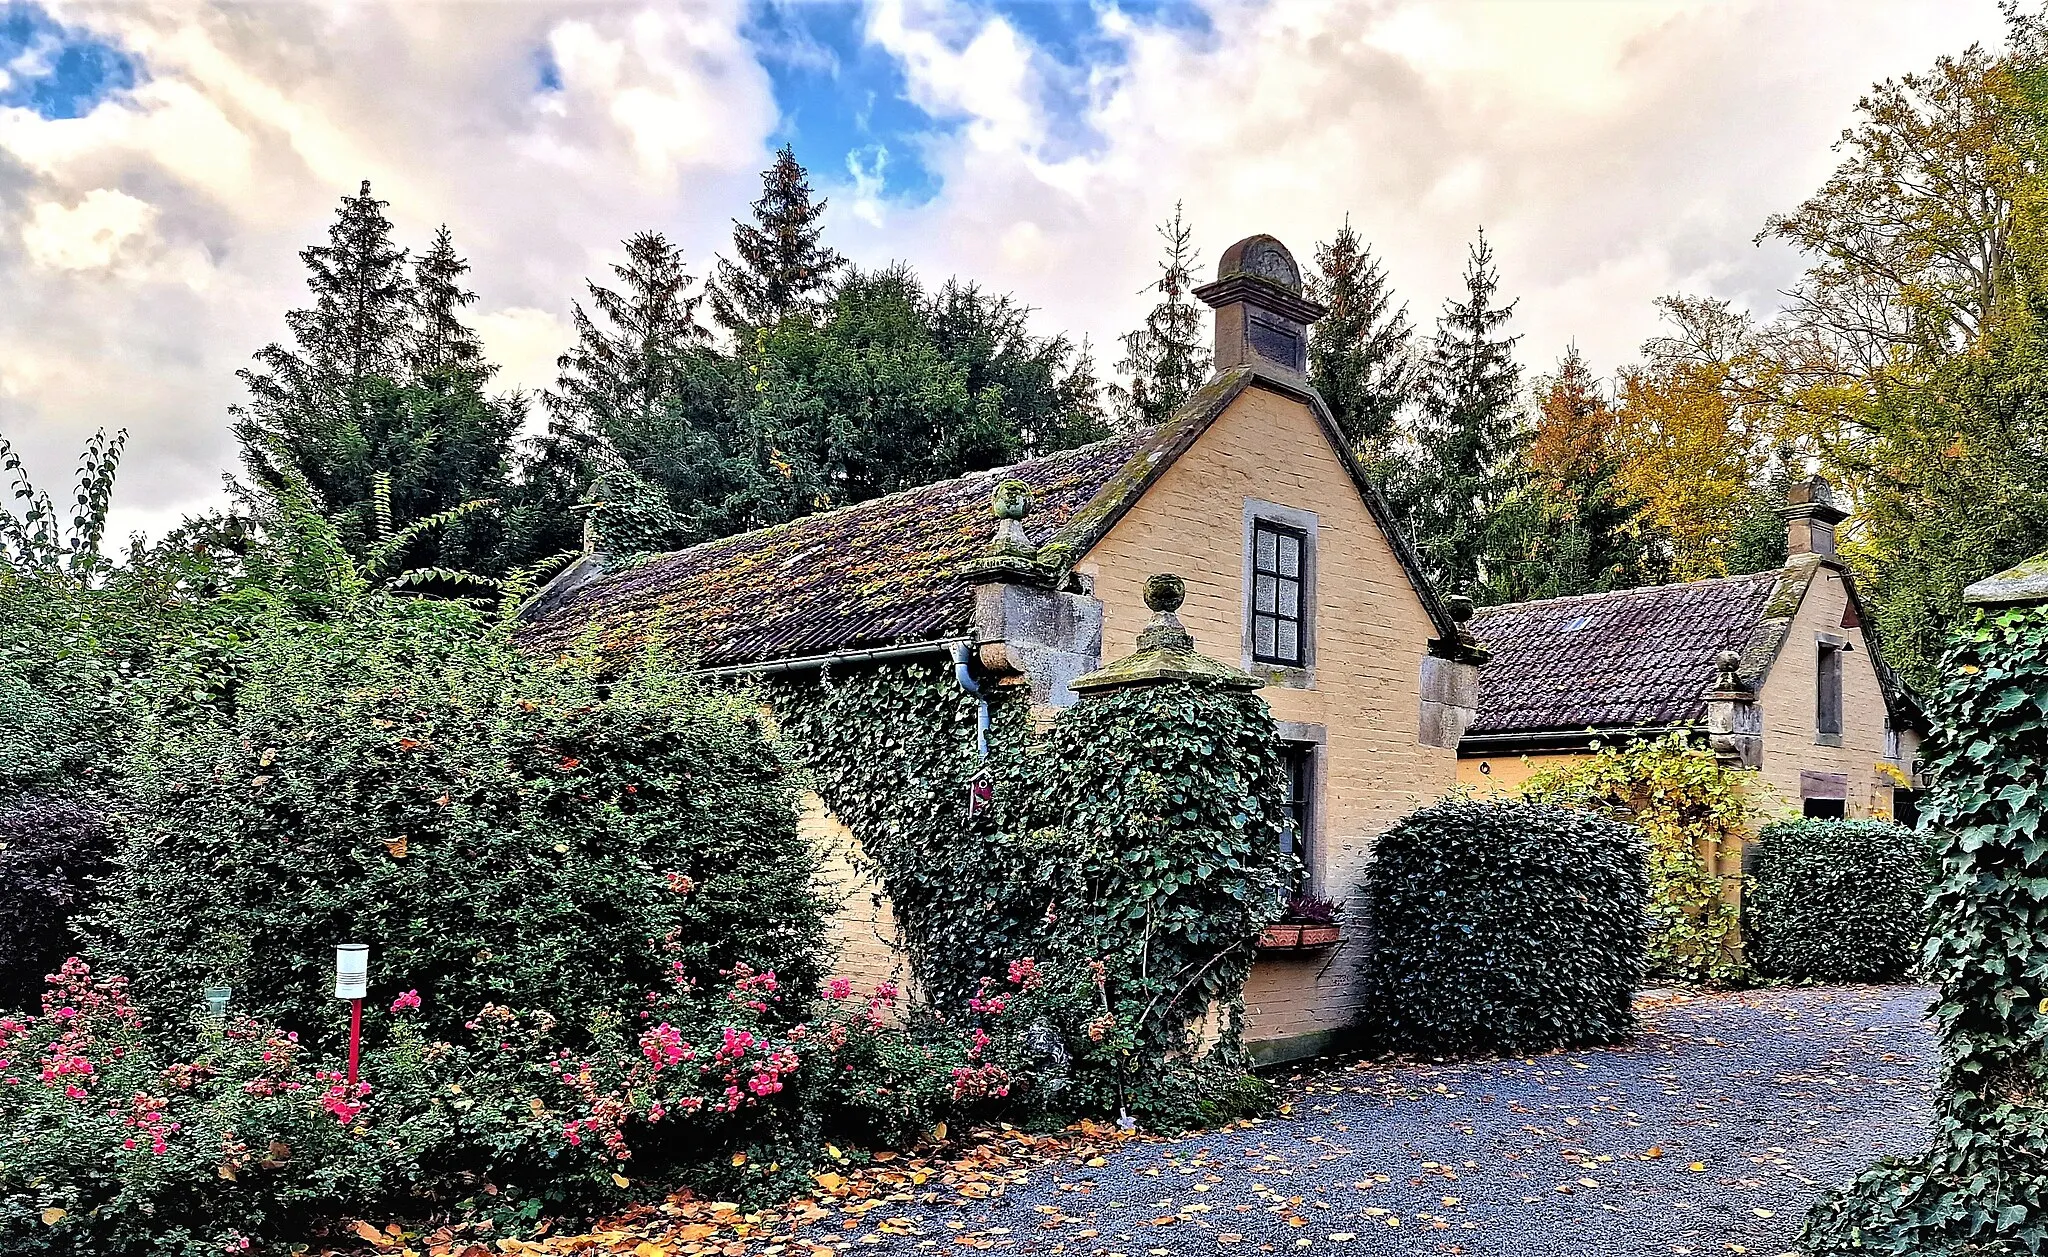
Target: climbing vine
1982, 1185
1688, 805
1130, 848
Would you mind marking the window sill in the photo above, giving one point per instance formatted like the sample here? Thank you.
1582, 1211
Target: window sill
1827, 739
1282, 675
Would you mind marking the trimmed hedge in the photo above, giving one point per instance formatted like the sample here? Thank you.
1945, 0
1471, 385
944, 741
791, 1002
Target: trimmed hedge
1838, 901
1505, 926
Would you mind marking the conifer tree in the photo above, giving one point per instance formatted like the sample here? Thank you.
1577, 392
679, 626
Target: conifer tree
1359, 353
632, 355
1468, 430
381, 385
783, 268
440, 340
1165, 360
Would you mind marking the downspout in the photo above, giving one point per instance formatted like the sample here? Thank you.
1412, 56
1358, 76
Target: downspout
971, 686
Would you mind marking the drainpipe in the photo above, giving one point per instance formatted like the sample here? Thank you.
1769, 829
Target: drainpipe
971, 686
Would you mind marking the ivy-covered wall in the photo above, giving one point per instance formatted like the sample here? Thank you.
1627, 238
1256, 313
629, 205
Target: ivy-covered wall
1982, 1185
1130, 849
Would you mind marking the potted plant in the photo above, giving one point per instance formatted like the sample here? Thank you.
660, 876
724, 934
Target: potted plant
1317, 917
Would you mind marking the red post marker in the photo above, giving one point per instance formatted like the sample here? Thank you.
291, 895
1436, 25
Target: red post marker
355, 1037
352, 983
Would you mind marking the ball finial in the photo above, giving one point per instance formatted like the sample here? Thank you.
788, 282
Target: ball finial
1165, 592
1011, 500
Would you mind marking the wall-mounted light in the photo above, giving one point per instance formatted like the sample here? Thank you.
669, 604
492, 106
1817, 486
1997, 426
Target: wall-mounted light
216, 998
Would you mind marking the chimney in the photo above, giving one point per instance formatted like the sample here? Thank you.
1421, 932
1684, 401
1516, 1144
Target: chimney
1810, 518
1261, 316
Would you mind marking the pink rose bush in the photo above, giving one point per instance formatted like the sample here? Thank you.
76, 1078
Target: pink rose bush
237, 1132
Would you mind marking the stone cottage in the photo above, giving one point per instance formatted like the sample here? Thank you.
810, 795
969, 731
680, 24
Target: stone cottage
1775, 668
1293, 572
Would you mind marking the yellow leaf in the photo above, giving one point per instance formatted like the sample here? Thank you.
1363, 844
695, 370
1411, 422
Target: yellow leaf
268, 757
834, 1153
227, 1172
1653, 1152
621, 1180
397, 849
939, 1132
52, 1216
1697, 1166
739, 1158
645, 1249
367, 1233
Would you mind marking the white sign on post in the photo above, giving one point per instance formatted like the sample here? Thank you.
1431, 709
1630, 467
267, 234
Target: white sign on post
352, 971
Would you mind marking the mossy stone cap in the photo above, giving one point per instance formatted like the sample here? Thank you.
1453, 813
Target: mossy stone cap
1166, 650
2021, 585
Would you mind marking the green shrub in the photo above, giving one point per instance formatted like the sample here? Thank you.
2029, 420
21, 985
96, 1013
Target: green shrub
50, 849
1501, 926
1837, 901
498, 831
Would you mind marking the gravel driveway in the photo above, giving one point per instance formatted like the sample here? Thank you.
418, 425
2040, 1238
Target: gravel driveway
1710, 1134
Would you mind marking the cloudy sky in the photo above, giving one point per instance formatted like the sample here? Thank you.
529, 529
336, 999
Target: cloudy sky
161, 164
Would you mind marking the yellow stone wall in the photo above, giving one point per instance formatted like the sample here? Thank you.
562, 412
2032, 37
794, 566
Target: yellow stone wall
1371, 634
1504, 774
863, 928
1788, 698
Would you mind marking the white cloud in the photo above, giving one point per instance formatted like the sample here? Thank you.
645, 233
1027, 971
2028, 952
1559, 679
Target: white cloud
87, 236
524, 342
1613, 151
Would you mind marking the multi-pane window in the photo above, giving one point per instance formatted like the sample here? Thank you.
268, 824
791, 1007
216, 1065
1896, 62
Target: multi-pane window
1299, 761
1827, 714
1279, 620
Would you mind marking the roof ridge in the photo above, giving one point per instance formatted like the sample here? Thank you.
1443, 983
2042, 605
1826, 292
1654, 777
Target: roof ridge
1636, 589
886, 498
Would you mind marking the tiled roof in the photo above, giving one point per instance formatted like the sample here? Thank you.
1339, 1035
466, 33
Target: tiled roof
876, 573
1636, 658
887, 571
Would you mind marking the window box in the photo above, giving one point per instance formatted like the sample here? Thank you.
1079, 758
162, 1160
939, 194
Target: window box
1320, 935
1280, 938
1293, 937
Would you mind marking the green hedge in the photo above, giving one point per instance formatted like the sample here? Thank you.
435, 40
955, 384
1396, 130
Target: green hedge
1838, 901
1501, 926
498, 830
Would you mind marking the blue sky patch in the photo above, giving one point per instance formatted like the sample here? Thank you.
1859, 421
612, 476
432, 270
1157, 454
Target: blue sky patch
846, 108
56, 70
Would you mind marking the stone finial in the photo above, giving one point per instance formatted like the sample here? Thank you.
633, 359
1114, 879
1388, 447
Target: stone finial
1727, 670
1166, 650
1261, 314
1810, 517
1010, 502
586, 512
1164, 594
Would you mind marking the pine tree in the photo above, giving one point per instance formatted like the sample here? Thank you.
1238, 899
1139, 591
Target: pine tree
440, 340
1468, 430
630, 360
1165, 360
382, 386
1758, 542
1359, 353
783, 269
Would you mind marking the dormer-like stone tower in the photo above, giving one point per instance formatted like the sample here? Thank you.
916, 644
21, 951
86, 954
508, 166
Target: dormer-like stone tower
1261, 315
